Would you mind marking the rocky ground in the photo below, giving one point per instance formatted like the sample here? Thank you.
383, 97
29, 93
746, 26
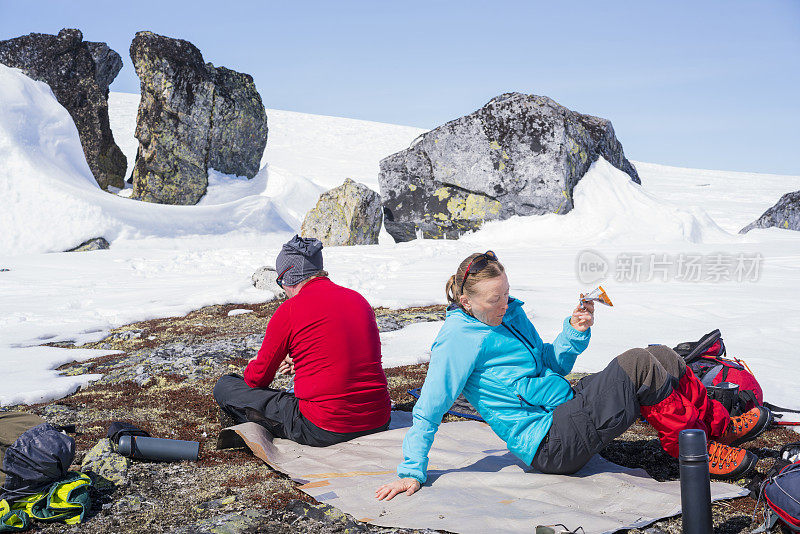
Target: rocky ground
162, 381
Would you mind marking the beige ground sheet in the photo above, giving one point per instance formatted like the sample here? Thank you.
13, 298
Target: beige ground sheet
474, 483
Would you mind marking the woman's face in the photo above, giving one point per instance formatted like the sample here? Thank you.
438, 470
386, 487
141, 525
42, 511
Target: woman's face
488, 300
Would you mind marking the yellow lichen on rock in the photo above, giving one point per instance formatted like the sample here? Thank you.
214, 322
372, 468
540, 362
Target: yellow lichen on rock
494, 145
442, 193
473, 207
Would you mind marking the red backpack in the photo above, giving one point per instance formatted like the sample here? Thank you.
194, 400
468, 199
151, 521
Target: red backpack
706, 358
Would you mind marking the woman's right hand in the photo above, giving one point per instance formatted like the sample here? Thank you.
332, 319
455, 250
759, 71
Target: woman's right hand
388, 491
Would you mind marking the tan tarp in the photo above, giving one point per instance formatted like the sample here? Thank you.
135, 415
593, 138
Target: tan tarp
474, 483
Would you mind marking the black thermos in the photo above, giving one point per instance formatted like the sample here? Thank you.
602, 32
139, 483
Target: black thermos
695, 483
165, 450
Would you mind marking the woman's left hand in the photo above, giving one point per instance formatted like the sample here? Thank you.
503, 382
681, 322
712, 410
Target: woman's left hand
582, 316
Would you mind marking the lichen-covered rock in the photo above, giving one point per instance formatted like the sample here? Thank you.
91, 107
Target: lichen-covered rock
346, 215
239, 124
784, 214
192, 116
265, 278
173, 122
326, 514
111, 468
98, 243
518, 155
80, 84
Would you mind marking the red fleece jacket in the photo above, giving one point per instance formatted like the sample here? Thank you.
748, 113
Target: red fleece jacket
331, 334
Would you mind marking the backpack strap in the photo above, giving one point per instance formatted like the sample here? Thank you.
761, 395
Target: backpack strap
770, 519
708, 378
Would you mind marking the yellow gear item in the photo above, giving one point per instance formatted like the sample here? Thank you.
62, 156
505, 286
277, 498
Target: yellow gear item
12, 520
66, 500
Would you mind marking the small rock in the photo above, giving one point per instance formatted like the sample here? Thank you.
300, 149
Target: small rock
325, 513
58, 414
125, 335
109, 467
264, 278
234, 523
97, 243
143, 379
127, 504
216, 503
346, 215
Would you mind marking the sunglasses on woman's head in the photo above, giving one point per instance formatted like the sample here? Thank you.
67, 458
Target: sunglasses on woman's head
478, 264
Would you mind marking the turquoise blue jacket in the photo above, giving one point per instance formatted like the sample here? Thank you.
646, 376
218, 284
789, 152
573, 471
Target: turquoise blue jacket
506, 372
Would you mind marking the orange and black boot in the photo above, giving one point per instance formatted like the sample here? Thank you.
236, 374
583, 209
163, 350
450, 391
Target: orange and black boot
729, 463
747, 426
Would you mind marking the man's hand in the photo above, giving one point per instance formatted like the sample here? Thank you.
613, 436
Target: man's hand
583, 316
388, 491
287, 366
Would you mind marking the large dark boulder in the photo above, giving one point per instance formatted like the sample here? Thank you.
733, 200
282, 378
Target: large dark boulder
785, 214
173, 122
192, 117
239, 124
518, 155
80, 84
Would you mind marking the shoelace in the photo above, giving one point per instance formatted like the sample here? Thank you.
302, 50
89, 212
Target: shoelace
744, 420
719, 454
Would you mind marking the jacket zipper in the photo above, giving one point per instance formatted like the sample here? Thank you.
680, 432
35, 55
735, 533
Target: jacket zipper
528, 345
525, 341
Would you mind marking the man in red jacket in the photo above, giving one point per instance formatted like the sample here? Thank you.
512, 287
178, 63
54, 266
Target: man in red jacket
327, 337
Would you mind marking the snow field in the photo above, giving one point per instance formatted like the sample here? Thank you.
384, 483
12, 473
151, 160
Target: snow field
169, 260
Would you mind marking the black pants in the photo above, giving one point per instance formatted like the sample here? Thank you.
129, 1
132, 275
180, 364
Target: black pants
278, 411
605, 405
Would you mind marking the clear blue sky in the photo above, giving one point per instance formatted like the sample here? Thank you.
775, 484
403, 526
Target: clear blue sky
696, 84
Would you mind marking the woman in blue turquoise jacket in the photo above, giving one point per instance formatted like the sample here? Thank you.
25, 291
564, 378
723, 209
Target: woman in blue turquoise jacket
489, 350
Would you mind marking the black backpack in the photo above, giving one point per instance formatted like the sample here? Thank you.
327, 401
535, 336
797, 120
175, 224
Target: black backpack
33, 455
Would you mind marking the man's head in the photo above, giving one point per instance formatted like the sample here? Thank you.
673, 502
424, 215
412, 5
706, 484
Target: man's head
299, 260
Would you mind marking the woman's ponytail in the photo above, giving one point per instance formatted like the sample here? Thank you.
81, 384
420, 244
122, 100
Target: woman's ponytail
450, 290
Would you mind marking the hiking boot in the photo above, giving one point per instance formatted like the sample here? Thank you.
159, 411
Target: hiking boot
225, 419
747, 426
728, 462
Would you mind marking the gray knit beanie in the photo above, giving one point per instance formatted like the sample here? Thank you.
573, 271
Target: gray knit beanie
299, 258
